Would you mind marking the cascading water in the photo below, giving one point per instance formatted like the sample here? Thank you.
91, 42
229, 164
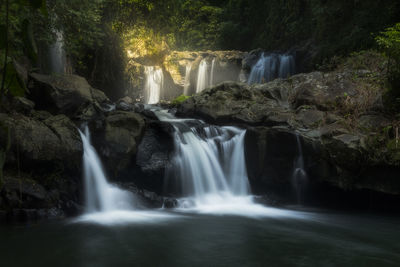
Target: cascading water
299, 177
105, 203
202, 76
212, 72
187, 79
57, 54
270, 67
209, 168
154, 84
100, 196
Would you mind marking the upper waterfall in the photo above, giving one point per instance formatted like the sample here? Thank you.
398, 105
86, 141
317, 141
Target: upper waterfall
57, 54
202, 76
269, 67
154, 84
187, 79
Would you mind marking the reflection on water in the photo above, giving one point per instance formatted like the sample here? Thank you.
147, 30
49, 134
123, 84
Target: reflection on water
192, 239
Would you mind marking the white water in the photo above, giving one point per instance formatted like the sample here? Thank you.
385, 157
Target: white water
99, 194
270, 67
154, 84
202, 76
57, 54
209, 167
212, 72
187, 79
299, 177
105, 203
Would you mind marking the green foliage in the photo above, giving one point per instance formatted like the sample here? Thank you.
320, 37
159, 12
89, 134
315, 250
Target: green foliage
179, 100
389, 41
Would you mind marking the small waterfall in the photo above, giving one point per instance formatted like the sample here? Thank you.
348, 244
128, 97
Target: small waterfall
270, 67
299, 177
209, 163
187, 79
286, 66
212, 72
154, 84
57, 55
100, 196
202, 76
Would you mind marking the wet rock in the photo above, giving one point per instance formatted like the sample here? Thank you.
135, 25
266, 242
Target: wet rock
65, 94
153, 155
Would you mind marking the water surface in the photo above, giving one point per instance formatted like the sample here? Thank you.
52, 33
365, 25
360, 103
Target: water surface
193, 239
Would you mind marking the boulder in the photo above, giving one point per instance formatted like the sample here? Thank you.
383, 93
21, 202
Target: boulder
63, 94
117, 138
153, 156
50, 143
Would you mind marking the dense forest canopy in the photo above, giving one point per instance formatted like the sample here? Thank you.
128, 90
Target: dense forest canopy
97, 33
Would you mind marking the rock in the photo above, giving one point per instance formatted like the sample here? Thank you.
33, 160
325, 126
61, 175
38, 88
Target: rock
65, 94
22, 105
125, 104
153, 155
26, 187
373, 122
117, 139
232, 102
50, 143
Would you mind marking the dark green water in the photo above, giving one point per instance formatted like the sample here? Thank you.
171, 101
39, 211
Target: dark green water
312, 239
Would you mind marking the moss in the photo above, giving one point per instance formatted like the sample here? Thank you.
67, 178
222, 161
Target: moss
180, 99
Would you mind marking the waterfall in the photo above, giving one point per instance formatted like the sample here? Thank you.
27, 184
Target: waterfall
299, 177
57, 54
212, 72
209, 163
286, 66
154, 84
187, 79
202, 76
100, 196
270, 67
